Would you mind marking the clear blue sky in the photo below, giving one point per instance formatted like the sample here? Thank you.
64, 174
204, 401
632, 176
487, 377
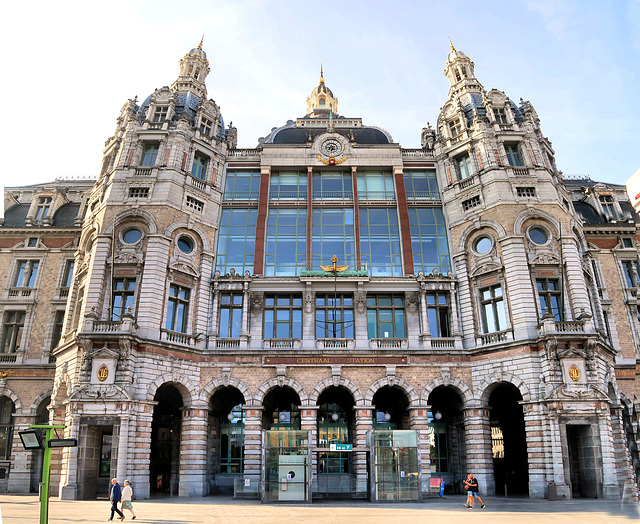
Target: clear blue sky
68, 67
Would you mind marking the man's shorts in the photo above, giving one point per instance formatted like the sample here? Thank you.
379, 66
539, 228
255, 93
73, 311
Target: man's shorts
474, 494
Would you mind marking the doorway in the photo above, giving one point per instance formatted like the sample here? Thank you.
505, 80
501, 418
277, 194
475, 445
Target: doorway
585, 461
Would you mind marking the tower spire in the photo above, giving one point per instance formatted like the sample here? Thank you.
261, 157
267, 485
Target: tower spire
321, 74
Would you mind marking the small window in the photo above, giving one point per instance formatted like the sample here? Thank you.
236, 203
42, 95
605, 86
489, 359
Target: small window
463, 163
483, 245
149, 155
538, 236
526, 192
321, 102
44, 203
454, 128
138, 192
160, 114
206, 126
513, 155
33, 242
471, 203
199, 167
500, 114
194, 203
185, 244
627, 242
131, 236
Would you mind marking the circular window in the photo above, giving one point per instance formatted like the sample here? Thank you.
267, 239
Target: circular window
483, 245
185, 244
538, 235
131, 236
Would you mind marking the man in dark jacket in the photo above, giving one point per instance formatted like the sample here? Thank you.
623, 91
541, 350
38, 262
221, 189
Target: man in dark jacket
114, 498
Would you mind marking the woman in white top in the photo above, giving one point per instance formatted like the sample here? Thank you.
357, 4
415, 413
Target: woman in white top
127, 493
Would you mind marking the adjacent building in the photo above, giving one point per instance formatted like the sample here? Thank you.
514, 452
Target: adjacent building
328, 315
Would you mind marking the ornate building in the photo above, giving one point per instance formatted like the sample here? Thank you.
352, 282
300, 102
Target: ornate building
333, 315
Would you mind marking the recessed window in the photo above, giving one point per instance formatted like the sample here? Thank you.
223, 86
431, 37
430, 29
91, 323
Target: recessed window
471, 203
33, 242
483, 245
131, 236
538, 236
185, 244
160, 114
627, 242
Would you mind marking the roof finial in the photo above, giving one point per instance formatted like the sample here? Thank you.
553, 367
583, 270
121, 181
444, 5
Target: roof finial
452, 48
201, 40
321, 74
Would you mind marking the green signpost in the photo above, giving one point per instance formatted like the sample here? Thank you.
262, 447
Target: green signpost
30, 441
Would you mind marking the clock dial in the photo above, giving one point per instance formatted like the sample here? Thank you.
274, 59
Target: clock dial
331, 147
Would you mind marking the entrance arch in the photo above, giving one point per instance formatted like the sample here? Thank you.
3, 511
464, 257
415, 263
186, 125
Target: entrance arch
391, 408
447, 448
508, 440
225, 438
164, 460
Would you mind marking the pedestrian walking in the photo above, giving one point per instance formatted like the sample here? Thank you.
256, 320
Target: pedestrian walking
127, 494
114, 498
471, 485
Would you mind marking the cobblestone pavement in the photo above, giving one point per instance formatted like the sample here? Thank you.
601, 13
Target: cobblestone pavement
24, 509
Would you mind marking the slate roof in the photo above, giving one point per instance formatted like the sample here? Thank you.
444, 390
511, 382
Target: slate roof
15, 215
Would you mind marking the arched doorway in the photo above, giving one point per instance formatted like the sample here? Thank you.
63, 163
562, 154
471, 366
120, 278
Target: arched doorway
508, 441
226, 439
164, 462
447, 437
281, 409
335, 419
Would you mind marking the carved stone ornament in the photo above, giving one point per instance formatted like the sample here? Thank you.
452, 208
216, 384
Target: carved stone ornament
545, 259
256, 303
483, 266
184, 267
124, 257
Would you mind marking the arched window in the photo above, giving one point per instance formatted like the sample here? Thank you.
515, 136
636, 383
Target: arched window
6, 427
321, 102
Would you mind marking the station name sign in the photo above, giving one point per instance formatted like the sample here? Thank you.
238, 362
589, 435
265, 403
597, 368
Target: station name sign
330, 361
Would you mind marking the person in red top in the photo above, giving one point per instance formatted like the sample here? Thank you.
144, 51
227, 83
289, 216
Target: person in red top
471, 485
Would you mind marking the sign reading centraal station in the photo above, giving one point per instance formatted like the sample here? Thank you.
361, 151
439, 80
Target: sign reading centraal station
328, 361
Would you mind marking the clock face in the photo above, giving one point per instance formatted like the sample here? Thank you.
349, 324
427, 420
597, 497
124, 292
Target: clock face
331, 147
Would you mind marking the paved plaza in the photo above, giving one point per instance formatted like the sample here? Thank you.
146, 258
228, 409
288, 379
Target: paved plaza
24, 509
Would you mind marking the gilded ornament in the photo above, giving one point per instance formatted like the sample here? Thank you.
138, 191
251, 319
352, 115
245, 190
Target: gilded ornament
103, 373
574, 373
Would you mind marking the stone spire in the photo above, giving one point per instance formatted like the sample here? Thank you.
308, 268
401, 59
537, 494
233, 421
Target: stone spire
459, 71
321, 102
194, 68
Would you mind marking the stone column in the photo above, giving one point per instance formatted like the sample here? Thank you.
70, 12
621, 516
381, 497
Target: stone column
309, 421
554, 451
193, 451
534, 430
19, 480
478, 446
419, 420
69, 462
364, 424
467, 301
141, 449
123, 449
610, 488
253, 443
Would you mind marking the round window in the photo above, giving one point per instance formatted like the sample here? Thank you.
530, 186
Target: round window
131, 236
538, 235
483, 245
185, 244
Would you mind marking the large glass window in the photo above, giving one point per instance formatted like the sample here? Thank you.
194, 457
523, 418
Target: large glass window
421, 185
149, 154
333, 428
493, 312
123, 292
385, 316
429, 240
550, 297
286, 242
513, 155
288, 185
283, 316
26, 273
242, 185
380, 241
12, 328
236, 240
199, 167
178, 308
332, 233
230, 315
438, 453
332, 185
375, 185
6, 427
67, 276
438, 314
334, 316
232, 442
463, 163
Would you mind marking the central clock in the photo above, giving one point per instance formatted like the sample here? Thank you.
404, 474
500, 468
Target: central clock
331, 147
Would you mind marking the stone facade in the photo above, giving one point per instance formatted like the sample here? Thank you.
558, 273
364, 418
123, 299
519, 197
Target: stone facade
475, 296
